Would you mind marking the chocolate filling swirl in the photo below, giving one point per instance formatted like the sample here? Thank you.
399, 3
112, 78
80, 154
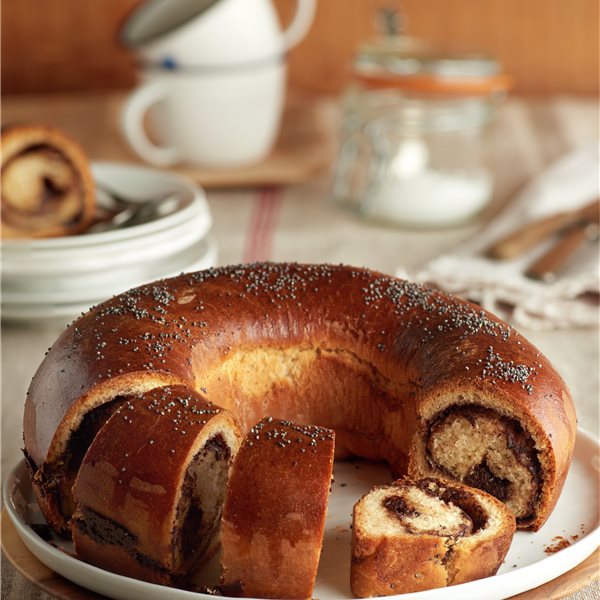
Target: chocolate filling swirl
488, 451
46, 188
431, 508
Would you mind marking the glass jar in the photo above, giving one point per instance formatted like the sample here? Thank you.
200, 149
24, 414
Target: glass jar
411, 141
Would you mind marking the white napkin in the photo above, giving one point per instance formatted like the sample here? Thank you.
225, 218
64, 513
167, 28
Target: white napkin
500, 286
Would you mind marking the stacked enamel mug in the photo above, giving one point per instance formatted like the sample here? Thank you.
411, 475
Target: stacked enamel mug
213, 79
63, 276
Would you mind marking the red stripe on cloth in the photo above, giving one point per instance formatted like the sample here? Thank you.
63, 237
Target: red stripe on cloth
265, 240
261, 228
259, 207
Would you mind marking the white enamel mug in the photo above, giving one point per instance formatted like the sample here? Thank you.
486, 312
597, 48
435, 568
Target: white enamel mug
224, 117
212, 32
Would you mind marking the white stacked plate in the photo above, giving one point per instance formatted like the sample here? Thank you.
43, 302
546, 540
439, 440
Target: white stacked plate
62, 277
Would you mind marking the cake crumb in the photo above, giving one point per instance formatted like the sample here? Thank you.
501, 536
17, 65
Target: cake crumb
557, 544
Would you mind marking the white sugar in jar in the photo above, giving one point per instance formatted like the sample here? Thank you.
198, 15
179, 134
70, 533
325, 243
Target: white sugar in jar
430, 198
411, 144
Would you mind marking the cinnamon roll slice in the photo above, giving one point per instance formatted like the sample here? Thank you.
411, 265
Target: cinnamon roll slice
47, 186
150, 489
274, 514
415, 535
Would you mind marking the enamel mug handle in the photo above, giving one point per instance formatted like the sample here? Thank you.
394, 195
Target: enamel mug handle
132, 124
298, 28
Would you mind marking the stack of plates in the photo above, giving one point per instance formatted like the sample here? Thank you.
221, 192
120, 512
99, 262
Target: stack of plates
62, 277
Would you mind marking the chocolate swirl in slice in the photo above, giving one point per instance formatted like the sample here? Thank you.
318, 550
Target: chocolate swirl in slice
419, 534
47, 187
488, 451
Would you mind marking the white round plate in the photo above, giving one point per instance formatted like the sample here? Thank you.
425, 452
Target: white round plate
57, 303
527, 565
83, 260
137, 184
25, 259
35, 276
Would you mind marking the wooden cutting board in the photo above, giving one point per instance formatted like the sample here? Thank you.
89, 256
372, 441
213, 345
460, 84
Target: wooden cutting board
305, 147
31, 568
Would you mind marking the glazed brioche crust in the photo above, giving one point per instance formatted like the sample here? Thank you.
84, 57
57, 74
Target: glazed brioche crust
407, 537
274, 514
133, 481
373, 357
47, 185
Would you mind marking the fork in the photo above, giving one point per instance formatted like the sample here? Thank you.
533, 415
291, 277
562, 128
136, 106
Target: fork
126, 212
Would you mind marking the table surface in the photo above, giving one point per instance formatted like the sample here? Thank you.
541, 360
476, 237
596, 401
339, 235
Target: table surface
298, 224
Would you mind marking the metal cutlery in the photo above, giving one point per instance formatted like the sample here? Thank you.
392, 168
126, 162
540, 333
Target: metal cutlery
118, 212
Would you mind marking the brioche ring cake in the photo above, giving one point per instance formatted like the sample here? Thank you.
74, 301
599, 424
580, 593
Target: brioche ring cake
150, 490
47, 185
275, 508
398, 370
415, 535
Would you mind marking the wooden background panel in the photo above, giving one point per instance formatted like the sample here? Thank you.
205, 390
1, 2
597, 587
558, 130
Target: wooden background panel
64, 45
548, 45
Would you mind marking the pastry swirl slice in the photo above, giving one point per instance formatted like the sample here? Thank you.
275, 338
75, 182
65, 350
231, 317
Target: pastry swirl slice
150, 489
47, 185
275, 508
415, 535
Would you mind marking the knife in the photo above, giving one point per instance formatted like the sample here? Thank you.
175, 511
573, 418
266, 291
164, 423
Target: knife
535, 233
547, 267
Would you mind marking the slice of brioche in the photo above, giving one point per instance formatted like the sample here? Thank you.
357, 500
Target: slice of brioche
414, 535
275, 509
47, 184
150, 489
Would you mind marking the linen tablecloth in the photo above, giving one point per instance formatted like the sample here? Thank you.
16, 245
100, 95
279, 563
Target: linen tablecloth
298, 224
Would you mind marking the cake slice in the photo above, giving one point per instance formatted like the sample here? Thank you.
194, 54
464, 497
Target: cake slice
47, 184
414, 535
274, 513
150, 490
